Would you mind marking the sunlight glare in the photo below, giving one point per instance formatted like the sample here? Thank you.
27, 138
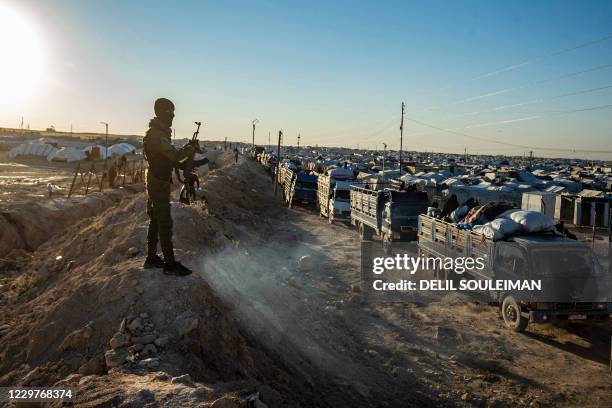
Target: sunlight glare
21, 58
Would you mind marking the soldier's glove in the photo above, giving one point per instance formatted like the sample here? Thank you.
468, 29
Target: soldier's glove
196, 146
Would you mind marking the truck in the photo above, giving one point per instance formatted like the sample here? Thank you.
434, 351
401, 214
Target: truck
390, 214
298, 187
574, 285
333, 194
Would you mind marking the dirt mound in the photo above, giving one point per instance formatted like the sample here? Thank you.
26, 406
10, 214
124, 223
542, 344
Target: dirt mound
66, 312
27, 225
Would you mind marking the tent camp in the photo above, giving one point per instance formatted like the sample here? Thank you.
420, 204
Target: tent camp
32, 149
121, 149
67, 154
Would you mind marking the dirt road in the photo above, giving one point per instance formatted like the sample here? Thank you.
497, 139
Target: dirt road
448, 350
297, 330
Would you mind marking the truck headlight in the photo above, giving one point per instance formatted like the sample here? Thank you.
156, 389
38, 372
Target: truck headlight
601, 306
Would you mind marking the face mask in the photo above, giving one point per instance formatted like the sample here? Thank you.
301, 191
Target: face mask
166, 117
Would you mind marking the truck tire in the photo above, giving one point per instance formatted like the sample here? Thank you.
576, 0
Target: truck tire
365, 233
511, 313
387, 246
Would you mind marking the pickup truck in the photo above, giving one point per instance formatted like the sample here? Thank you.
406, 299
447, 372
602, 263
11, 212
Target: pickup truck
298, 187
334, 198
574, 285
390, 214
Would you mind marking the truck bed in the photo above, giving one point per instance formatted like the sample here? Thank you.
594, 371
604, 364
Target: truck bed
323, 184
365, 206
445, 239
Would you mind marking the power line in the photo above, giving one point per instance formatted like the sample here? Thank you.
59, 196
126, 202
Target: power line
536, 115
532, 101
540, 58
506, 143
523, 86
506, 90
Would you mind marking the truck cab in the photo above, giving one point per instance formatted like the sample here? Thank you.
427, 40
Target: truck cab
305, 189
340, 201
400, 216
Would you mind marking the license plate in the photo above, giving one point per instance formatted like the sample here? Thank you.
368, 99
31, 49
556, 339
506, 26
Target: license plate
577, 317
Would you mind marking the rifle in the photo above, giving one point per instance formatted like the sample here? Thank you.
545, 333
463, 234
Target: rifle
188, 164
194, 138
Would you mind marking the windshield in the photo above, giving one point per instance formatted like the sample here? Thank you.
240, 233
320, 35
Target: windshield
343, 195
564, 263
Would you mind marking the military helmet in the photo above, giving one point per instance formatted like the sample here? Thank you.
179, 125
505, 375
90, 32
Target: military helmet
163, 105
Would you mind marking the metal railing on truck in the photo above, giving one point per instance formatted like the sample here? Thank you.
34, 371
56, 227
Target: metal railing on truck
364, 200
454, 240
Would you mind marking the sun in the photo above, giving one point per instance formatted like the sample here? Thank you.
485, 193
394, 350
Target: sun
22, 63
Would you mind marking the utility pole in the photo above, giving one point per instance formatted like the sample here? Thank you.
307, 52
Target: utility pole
105, 155
384, 156
401, 140
71, 129
254, 122
173, 134
280, 139
225, 143
530, 158
298, 141
269, 145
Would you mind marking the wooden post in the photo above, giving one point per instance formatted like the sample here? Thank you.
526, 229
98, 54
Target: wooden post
280, 137
91, 170
76, 172
103, 177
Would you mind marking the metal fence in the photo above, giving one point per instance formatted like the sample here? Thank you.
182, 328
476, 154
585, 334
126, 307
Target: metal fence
110, 175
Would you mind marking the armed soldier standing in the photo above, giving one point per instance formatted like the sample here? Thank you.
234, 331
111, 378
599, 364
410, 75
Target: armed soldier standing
162, 158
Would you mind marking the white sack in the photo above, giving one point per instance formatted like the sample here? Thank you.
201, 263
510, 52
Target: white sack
533, 221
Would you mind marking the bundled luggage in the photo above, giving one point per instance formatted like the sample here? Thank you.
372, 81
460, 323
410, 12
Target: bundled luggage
499, 221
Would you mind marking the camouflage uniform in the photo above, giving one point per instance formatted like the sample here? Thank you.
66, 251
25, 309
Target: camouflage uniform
162, 158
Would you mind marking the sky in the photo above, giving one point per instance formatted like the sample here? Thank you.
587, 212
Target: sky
490, 77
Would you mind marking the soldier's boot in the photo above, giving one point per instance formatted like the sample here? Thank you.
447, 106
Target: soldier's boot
154, 261
176, 269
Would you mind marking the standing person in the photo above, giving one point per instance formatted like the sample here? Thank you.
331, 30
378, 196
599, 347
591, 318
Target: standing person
236, 154
112, 173
162, 158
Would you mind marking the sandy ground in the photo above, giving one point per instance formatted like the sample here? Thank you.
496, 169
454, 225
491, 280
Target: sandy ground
25, 180
293, 333
447, 350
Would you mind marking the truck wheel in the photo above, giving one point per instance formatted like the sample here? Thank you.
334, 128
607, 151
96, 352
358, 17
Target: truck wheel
364, 232
511, 313
386, 244
361, 230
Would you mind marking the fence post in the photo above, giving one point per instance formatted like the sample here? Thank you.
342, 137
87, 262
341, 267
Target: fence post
76, 172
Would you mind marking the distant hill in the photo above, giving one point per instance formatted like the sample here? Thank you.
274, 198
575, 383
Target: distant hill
63, 135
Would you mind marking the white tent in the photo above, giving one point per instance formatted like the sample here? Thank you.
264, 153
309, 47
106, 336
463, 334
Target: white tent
32, 149
67, 154
121, 149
